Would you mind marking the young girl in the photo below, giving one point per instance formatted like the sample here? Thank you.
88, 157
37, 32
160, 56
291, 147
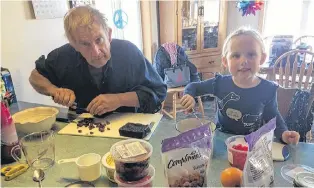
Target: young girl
245, 101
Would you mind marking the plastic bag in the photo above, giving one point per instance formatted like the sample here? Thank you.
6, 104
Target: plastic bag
258, 169
186, 158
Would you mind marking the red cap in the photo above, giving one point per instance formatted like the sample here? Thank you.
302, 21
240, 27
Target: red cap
6, 118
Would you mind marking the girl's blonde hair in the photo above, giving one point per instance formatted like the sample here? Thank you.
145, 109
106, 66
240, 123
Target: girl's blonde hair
243, 31
83, 16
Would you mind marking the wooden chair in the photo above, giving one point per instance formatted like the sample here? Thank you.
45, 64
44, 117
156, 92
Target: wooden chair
308, 39
297, 72
175, 92
284, 100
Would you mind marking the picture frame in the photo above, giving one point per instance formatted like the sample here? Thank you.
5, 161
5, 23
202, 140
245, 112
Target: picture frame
76, 3
44, 9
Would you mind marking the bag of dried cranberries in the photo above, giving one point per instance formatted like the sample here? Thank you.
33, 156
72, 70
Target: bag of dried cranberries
186, 158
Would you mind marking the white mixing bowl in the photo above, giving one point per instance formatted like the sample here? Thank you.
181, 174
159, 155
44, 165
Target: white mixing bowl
35, 119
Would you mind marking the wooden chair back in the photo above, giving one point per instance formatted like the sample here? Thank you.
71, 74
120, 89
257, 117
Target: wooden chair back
293, 69
308, 39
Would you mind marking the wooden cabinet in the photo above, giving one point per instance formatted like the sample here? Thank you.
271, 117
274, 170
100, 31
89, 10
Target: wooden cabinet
199, 26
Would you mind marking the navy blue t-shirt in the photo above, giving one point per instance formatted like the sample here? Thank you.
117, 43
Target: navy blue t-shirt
241, 110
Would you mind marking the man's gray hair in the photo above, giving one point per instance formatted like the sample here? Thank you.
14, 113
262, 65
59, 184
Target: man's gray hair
83, 16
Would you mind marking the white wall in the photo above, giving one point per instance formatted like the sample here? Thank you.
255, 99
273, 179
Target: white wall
24, 39
235, 18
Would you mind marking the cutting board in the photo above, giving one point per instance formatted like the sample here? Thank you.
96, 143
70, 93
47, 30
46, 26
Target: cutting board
116, 120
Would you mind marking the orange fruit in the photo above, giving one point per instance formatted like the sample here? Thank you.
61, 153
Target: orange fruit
231, 177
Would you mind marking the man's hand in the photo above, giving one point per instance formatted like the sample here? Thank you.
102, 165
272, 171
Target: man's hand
290, 137
103, 103
65, 97
187, 102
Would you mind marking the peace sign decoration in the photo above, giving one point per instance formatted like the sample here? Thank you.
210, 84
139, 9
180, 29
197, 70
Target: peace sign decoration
120, 19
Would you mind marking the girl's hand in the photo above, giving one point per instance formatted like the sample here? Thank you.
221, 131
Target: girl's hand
290, 137
187, 102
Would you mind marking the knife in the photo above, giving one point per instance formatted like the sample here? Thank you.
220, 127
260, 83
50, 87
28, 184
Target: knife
76, 108
68, 117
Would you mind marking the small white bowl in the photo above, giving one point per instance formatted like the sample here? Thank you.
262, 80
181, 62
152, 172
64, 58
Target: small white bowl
108, 164
35, 119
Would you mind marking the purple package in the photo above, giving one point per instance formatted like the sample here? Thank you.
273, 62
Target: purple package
186, 158
252, 138
258, 169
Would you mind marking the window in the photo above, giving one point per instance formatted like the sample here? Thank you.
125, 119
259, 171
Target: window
289, 17
133, 30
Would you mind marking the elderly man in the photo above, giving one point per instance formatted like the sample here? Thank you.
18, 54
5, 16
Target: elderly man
97, 72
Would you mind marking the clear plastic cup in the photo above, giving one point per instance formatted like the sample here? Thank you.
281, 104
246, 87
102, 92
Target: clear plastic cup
236, 157
147, 181
131, 158
192, 123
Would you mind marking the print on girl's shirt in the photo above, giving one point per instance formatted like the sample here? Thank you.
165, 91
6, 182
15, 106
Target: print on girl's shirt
249, 120
230, 97
234, 114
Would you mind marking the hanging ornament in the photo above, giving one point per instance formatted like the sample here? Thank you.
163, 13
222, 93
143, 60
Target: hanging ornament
248, 7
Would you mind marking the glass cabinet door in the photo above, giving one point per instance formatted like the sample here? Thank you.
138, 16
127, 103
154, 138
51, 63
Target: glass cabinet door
189, 25
209, 23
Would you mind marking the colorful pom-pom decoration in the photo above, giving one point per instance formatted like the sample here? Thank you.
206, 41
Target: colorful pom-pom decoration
248, 7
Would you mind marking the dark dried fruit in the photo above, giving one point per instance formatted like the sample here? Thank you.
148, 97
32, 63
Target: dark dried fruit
80, 131
97, 124
108, 128
132, 171
89, 122
102, 126
85, 122
189, 180
80, 124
